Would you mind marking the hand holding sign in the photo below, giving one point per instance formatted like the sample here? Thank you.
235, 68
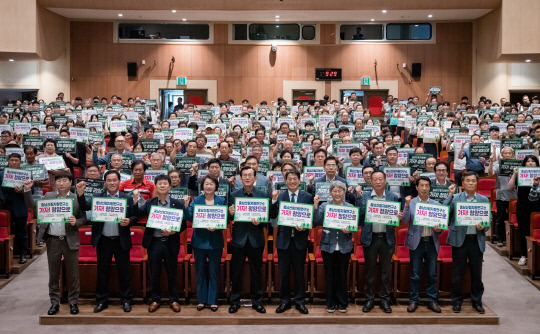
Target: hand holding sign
124, 222
275, 195
254, 221
316, 201
72, 220
28, 185
536, 181
81, 186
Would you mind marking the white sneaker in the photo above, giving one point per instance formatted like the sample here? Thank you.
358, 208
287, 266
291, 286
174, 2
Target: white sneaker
522, 261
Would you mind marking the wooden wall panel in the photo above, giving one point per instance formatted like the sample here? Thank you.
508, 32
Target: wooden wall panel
98, 65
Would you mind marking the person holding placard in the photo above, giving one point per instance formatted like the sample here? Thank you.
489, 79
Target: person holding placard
145, 187
291, 244
119, 145
214, 170
207, 245
247, 239
423, 244
261, 180
472, 164
62, 239
112, 237
468, 244
50, 151
336, 246
378, 241
163, 244
78, 158
39, 172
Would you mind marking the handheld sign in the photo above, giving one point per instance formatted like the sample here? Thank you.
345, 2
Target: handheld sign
108, 210
15, 177
178, 193
79, 134
229, 168
354, 176
439, 193
316, 172
526, 176
341, 217
53, 163
397, 176
118, 126
150, 145
151, 174
37, 142
506, 166
210, 216
479, 150
382, 212
38, 171
183, 133
471, 214
50, 211
295, 214
418, 160
521, 154
247, 208
162, 218
66, 145
322, 189
430, 215
94, 187
184, 164
431, 132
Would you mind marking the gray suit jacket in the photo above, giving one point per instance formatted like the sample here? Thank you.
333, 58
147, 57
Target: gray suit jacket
456, 234
414, 233
72, 232
367, 228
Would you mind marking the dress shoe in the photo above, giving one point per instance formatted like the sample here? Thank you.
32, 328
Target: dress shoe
53, 309
302, 308
153, 307
456, 308
259, 308
200, 307
412, 307
100, 307
214, 308
342, 309
385, 306
368, 306
331, 309
283, 307
23, 260
432, 305
126, 306
234, 308
478, 308
175, 307
73, 309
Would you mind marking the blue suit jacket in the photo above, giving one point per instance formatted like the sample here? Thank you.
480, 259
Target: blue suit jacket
244, 231
284, 232
202, 238
414, 233
367, 228
456, 234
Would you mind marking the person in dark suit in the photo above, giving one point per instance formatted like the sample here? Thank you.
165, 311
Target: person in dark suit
62, 241
260, 181
378, 241
336, 246
291, 244
207, 245
162, 245
14, 203
468, 244
247, 240
214, 170
113, 239
331, 164
423, 245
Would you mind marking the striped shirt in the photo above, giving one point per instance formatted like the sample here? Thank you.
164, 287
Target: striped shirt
146, 188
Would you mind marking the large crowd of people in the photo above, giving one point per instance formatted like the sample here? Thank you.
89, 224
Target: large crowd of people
326, 154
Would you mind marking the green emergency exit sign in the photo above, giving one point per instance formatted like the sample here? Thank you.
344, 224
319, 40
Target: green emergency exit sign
365, 81
181, 81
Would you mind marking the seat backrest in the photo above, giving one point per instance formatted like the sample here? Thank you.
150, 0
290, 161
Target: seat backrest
318, 235
486, 183
512, 207
535, 221
442, 237
402, 235
137, 234
375, 105
5, 219
195, 99
85, 235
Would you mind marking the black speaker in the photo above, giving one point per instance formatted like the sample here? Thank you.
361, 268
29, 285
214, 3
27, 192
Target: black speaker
240, 32
132, 69
308, 33
416, 70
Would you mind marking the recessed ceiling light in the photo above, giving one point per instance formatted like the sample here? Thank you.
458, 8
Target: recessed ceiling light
372, 20
277, 20
12, 60
174, 10
277, 26
430, 15
384, 11
184, 19
120, 14
526, 60
277, 16
416, 25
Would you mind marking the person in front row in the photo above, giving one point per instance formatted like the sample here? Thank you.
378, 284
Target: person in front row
291, 245
113, 239
162, 245
468, 243
247, 240
378, 241
208, 245
62, 241
423, 245
336, 246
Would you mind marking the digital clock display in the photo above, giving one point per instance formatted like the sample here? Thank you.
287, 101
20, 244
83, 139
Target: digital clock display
328, 74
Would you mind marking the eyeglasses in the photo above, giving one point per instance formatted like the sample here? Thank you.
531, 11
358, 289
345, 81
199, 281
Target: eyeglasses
440, 170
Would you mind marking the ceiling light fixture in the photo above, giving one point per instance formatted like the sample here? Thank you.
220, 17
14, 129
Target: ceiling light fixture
526, 60
184, 19
384, 11
12, 60
120, 14
372, 20
277, 26
277, 16
174, 10
430, 16
277, 20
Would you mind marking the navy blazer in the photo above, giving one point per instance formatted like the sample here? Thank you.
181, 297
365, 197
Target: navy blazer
367, 228
202, 238
14, 201
124, 232
284, 232
244, 231
414, 233
148, 238
456, 234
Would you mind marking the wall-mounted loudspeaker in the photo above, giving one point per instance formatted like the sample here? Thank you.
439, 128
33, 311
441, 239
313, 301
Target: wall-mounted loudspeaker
308, 32
132, 69
416, 71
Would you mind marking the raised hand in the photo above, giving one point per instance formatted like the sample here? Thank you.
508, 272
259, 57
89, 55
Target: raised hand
316, 201
81, 186
136, 195
28, 185
275, 195
452, 189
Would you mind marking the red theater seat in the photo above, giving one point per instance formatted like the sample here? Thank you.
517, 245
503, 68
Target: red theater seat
6, 243
485, 184
512, 231
447, 268
195, 100
533, 246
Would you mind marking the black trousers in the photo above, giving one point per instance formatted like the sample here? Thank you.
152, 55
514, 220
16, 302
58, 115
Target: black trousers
523, 216
502, 214
106, 248
468, 251
254, 256
295, 258
335, 272
378, 249
18, 224
161, 251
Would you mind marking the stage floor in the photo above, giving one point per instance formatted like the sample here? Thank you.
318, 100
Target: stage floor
247, 316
